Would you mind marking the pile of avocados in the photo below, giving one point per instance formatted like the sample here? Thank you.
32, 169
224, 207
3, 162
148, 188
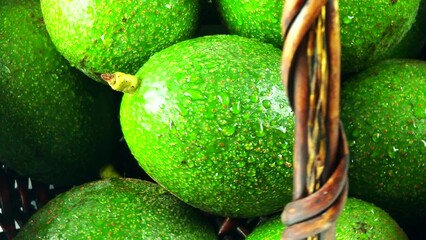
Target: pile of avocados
161, 119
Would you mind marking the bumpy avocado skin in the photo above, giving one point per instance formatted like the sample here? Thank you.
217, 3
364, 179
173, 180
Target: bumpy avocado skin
372, 28
213, 125
369, 28
56, 125
109, 36
412, 43
255, 19
358, 220
117, 208
383, 110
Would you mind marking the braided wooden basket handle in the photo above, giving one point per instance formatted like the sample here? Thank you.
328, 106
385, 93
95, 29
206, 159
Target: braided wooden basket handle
311, 74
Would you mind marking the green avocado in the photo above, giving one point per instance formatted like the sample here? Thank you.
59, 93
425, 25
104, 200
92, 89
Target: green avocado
117, 208
56, 126
369, 28
412, 43
358, 220
384, 114
213, 125
99, 36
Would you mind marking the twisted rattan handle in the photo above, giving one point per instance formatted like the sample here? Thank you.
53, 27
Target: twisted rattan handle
311, 74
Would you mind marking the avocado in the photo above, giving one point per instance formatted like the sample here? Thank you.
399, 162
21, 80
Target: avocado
213, 125
369, 28
358, 220
254, 19
107, 36
383, 111
117, 208
412, 43
56, 125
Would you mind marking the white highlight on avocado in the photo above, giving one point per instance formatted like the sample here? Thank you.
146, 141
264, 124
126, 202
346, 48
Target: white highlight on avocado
155, 98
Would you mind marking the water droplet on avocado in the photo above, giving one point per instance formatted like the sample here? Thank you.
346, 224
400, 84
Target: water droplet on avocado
259, 130
241, 164
194, 94
243, 154
218, 175
236, 107
6, 75
209, 163
55, 76
4, 69
375, 137
224, 98
348, 19
254, 97
248, 146
190, 163
171, 124
282, 129
246, 115
246, 104
392, 152
266, 103
228, 130
222, 121
267, 73
260, 133
251, 159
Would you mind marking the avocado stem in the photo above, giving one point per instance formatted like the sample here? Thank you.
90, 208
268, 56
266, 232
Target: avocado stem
121, 82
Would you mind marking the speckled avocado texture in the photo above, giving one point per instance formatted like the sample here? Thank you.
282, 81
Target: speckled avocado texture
211, 123
383, 110
117, 208
56, 125
108, 36
413, 42
358, 220
369, 28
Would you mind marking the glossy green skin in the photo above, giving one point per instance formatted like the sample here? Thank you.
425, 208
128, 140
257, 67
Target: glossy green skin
358, 220
383, 111
99, 36
213, 125
57, 126
255, 19
369, 28
117, 208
